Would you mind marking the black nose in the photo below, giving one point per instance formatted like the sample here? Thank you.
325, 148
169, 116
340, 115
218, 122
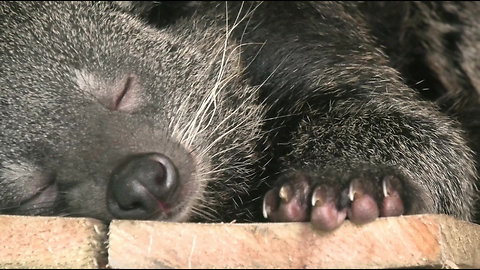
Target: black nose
140, 187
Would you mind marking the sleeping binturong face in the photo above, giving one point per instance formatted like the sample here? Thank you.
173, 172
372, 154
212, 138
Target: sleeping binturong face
107, 117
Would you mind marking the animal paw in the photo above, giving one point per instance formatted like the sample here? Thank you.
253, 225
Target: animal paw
326, 201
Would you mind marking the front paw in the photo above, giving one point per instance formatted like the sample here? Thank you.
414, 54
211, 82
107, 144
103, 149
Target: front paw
327, 199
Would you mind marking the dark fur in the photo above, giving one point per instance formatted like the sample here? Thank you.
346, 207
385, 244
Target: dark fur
326, 90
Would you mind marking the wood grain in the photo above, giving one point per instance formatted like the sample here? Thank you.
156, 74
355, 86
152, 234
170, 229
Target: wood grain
51, 242
407, 241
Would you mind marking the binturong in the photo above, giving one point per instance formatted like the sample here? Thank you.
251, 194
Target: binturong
215, 112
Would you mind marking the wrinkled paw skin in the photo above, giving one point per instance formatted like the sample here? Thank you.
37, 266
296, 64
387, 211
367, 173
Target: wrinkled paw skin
327, 201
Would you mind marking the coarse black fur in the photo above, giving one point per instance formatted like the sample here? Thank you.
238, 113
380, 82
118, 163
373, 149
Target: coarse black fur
300, 110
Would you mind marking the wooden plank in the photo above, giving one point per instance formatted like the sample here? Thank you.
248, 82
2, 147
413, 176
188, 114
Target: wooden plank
397, 242
51, 242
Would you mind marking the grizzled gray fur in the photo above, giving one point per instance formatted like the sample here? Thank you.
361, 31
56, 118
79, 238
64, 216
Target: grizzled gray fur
186, 111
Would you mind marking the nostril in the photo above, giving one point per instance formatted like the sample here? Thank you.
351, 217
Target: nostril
166, 173
141, 187
160, 179
134, 205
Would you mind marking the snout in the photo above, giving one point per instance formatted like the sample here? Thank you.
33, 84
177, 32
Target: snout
144, 186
